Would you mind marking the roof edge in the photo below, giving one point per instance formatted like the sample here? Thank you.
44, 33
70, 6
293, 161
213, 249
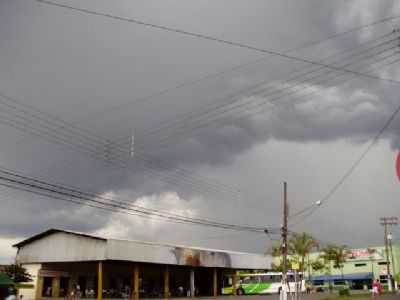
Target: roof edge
50, 232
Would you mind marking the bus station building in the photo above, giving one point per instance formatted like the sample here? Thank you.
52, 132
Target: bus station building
62, 261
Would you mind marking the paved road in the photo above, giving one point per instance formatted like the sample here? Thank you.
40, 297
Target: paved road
317, 296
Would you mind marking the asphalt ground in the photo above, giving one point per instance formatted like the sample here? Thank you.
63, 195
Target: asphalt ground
317, 296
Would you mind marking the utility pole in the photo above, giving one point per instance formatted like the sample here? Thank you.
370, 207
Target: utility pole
385, 221
390, 238
283, 295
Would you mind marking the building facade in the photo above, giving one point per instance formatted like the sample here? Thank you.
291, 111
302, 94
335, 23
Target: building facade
361, 268
65, 263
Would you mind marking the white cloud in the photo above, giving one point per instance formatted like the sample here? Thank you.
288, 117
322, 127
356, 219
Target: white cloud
7, 252
125, 226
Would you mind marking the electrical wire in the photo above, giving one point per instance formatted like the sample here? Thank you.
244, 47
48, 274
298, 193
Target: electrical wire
188, 129
351, 168
180, 120
240, 66
51, 129
32, 184
209, 38
59, 131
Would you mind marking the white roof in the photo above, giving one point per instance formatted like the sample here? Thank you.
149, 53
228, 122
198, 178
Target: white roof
57, 245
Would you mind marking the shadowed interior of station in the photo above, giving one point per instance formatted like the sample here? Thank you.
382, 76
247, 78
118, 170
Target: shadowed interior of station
59, 280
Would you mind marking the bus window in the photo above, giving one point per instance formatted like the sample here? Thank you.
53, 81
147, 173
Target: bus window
276, 278
246, 279
266, 279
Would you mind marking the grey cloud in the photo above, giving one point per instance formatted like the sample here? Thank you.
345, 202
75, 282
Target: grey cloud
84, 68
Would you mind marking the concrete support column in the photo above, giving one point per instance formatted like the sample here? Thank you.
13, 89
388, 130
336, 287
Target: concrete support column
192, 286
100, 281
55, 287
215, 282
234, 284
39, 288
166, 282
135, 291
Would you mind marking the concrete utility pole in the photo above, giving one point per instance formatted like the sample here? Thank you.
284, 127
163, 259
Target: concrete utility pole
385, 221
283, 295
390, 238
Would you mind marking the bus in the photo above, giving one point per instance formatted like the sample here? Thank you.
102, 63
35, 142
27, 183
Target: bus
262, 283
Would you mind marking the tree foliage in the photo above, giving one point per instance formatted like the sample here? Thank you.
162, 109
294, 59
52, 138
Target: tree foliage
300, 245
317, 265
17, 273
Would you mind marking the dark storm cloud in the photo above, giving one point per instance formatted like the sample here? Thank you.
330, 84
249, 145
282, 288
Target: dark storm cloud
89, 70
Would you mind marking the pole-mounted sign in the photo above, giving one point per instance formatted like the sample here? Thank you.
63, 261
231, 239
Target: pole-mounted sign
398, 165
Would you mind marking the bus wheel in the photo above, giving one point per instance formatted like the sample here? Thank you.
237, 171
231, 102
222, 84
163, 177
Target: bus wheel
240, 292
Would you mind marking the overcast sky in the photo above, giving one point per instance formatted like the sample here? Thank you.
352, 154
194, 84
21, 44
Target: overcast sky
97, 73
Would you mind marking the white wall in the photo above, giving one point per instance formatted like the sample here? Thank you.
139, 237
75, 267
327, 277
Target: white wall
33, 270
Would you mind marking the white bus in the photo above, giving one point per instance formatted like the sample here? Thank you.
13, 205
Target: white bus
262, 283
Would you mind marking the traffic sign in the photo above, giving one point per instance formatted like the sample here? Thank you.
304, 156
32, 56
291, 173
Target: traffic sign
398, 165
295, 265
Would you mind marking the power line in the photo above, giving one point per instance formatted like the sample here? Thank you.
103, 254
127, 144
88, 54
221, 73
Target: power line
57, 134
223, 109
194, 115
210, 38
88, 150
188, 83
252, 111
312, 208
67, 140
57, 130
15, 180
203, 125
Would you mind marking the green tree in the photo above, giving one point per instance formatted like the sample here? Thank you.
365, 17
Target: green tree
275, 252
328, 254
17, 273
317, 265
300, 245
340, 258
335, 256
371, 252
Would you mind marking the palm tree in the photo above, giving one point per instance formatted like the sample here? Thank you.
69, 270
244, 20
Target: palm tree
300, 245
336, 256
340, 258
371, 252
328, 255
275, 251
317, 265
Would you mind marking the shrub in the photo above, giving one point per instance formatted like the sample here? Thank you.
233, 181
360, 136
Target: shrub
344, 292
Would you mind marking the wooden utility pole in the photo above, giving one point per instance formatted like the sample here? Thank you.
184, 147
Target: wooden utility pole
385, 222
283, 295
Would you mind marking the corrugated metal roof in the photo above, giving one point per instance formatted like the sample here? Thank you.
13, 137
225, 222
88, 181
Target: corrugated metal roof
51, 231
57, 245
55, 230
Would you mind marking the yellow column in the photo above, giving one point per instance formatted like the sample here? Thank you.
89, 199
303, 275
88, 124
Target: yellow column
39, 288
215, 283
234, 278
100, 281
55, 287
166, 282
136, 282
